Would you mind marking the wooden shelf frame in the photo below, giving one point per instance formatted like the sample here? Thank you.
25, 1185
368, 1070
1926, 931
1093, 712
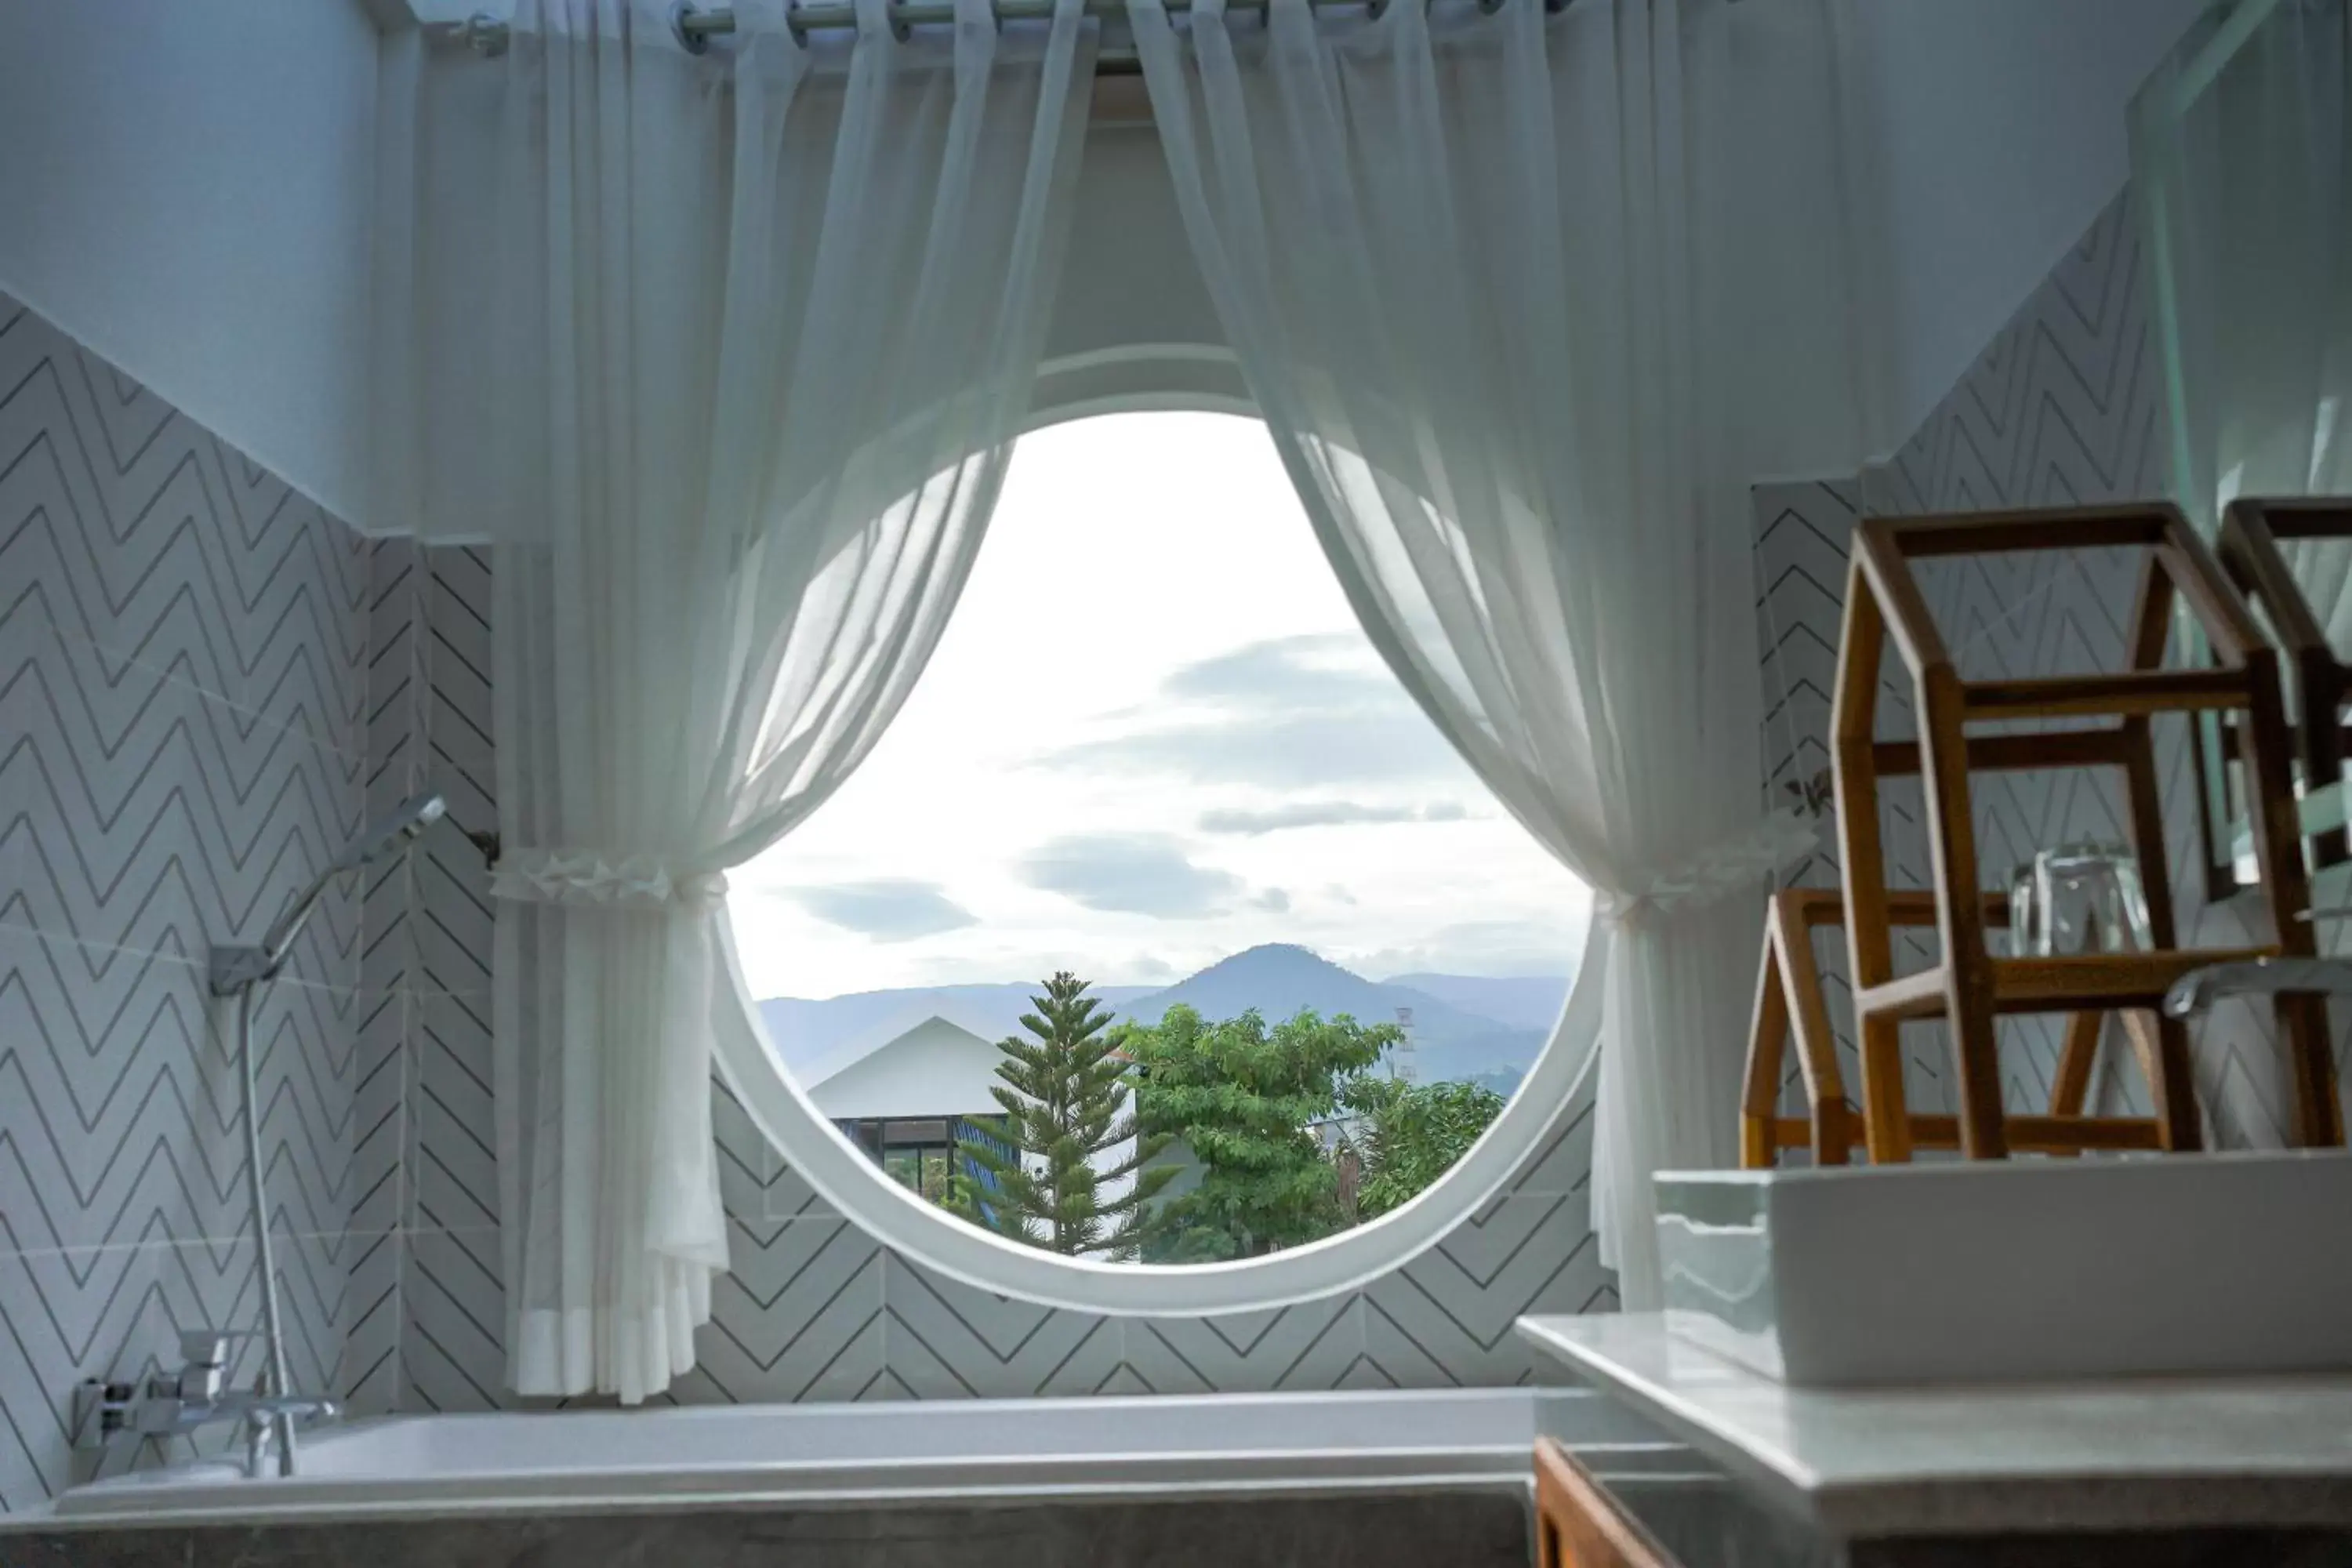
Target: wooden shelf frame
1790, 1005
1969, 986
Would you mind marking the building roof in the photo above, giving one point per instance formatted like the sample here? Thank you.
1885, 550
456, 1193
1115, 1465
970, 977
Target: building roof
888, 1032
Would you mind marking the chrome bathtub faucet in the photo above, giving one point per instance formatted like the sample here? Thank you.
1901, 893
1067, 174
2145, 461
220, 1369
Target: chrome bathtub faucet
2198, 989
175, 1403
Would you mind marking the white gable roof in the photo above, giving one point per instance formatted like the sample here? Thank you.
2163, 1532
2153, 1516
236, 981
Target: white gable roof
919, 1010
932, 1067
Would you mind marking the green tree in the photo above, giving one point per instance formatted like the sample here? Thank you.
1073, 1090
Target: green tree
1244, 1097
1413, 1134
1065, 1098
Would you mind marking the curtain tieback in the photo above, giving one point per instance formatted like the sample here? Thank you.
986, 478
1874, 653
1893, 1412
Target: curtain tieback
1721, 868
591, 877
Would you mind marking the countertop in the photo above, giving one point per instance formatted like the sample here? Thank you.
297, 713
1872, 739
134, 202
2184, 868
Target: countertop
2126, 1454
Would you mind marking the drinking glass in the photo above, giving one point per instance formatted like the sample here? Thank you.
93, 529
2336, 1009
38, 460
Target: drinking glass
2078, 898
2022, 910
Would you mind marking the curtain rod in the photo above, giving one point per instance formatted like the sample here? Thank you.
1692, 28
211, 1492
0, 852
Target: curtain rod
695, 26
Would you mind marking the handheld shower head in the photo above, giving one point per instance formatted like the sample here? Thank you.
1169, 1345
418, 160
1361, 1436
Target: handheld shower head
412, 817
236, 968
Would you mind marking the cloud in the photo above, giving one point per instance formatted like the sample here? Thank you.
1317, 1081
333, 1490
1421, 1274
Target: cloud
1317, 671
1325, 814
886, 909
1289, 713
1273, 898
1132, 873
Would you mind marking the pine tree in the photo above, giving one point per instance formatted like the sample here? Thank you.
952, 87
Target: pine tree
1065, 1098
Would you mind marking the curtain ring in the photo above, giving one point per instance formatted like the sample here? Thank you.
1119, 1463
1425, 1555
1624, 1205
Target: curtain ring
996, 17
1373, 10
1554, 7
692, 43
1488, 7
794, 27
901, 28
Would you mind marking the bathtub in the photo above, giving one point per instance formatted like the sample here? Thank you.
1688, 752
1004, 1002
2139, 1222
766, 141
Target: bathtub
841, 1456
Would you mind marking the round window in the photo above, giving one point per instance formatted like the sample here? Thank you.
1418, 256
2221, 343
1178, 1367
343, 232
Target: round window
1163, 956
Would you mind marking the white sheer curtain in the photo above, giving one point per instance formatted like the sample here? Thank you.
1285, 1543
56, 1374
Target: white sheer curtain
748, 337
2242, 165
1527, 301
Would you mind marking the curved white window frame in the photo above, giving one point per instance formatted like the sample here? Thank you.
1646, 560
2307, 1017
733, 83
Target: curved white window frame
1127, 380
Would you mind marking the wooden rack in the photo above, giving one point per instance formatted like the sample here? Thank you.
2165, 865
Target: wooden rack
1789, 1002
1970, 988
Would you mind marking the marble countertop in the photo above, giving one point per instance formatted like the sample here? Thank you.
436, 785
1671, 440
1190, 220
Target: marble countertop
2126, 1454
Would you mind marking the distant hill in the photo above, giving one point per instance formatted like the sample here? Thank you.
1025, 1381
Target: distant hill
1464, 1027
808, 1031
1278, 979
1524, 1002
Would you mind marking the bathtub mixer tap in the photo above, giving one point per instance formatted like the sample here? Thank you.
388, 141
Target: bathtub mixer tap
2197, 990
176, 1404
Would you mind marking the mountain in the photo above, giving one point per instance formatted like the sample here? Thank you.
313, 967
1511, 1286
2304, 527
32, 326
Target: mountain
808, 1031
1279, 978
1524, 1002
1464, 1027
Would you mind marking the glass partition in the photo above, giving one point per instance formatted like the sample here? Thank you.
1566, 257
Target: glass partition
2241, 172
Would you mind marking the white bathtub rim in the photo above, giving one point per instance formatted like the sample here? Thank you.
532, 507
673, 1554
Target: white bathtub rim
208, 1491
1533, 1395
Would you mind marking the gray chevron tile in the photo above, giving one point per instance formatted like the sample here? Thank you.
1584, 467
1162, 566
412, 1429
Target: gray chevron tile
760, 1189
1150, 1361
182, 688
948, 1340
1562, 1160
1306, 1346
453, 921
785, 1194
367, 1378
149, 1142
788, 1271
800, 1317
1529, 1253
451, 1099
454, 1327
1396, 1356
1505, 1249
742, 1188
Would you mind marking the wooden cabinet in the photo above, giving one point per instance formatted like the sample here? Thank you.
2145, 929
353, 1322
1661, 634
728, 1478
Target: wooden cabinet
1580, 1525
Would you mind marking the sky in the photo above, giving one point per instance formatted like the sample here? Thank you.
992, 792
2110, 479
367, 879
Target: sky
1151, 735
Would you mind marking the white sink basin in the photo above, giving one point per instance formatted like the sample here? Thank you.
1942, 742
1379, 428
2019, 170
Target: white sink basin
2015, 1270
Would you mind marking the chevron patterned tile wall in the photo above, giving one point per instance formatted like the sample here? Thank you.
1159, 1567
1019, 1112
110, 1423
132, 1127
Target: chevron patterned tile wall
183, 677
2063, 407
